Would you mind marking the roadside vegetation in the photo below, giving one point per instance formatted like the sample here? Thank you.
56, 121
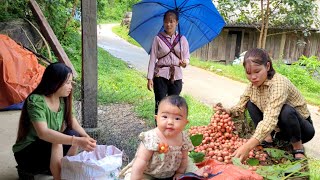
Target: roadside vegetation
303, 77
123, 31
117, 83
298, 75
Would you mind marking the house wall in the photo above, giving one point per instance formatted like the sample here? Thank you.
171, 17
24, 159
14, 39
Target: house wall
281, 44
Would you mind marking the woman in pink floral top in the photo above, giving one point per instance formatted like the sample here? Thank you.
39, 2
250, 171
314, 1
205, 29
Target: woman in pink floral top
163, 152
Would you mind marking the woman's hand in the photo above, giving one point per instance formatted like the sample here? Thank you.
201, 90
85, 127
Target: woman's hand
86, 143
182, 63
150, 84
243, 151
219, 107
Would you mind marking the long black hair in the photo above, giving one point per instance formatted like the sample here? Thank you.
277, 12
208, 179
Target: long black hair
54, 76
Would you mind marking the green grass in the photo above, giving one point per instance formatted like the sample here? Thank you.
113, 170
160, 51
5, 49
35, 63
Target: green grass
314, 165
123, 31
199, 114
117, 83
309, 86
234, 72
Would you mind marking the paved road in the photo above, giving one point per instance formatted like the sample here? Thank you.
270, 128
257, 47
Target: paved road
207, 87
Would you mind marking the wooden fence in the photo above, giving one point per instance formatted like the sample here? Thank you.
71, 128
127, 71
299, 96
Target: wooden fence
285, 45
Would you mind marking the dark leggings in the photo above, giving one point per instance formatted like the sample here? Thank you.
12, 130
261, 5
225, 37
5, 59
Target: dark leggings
292, 126
162, 87
35, 158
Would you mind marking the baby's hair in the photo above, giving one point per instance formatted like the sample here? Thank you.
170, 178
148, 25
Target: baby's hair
176, 100
261, 57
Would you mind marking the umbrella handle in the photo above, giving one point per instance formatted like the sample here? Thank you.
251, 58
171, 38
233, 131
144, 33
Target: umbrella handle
180, 42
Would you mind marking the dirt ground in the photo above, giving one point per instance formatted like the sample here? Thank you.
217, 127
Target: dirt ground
121, 128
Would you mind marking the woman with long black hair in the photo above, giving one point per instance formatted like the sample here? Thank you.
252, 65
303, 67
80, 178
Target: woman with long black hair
47, 129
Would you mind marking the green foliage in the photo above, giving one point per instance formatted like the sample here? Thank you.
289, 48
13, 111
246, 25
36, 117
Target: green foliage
312, 64
297, 13
278, 153
300, 77
113, 10
12, 9
196, 157
284, 171
237, 162
196, 139
253, 162
59, 15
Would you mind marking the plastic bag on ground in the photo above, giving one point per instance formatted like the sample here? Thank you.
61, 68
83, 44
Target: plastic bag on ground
102, 163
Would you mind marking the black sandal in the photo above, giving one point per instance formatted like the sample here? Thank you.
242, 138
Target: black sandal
190, 175
266, 144
298, 151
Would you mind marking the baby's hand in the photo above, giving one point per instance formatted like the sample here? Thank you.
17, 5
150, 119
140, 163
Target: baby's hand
204, 171
176, 176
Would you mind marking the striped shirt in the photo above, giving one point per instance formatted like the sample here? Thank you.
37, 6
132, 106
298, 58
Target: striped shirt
269, 98
159, 49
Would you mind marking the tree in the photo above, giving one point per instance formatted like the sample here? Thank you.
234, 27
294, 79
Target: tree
113, 10
298, 14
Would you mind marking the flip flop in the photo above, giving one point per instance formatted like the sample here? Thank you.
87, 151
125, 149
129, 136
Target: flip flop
193, 176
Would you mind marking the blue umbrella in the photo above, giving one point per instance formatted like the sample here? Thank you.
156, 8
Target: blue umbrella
199, 21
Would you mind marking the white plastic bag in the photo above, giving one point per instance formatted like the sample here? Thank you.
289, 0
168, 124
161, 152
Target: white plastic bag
102, 163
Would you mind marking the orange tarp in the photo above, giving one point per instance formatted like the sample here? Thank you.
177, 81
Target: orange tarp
229, 171
20, 72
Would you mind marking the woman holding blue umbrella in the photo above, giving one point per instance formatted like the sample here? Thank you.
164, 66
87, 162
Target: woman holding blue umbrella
153, 26
169, 54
